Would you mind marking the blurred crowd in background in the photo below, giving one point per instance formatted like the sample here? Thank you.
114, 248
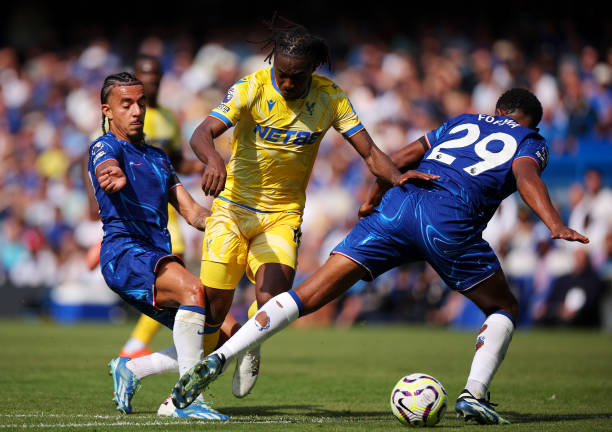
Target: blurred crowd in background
400, 88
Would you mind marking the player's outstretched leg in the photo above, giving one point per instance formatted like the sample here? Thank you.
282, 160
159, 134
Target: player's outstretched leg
125, 382
198, 410
195, 380
480, 410
246, 372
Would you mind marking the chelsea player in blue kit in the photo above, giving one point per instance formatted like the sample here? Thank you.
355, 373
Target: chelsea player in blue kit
475, 162
133, 184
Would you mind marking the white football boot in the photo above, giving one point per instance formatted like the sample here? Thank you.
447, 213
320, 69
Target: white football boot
246, 372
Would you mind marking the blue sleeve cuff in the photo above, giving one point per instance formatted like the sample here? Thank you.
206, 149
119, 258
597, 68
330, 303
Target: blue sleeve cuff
221, 117
349, 133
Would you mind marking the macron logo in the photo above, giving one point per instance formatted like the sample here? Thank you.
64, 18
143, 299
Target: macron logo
271, 104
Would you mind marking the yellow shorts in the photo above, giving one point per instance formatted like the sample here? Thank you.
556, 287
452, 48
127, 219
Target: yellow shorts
176, 236
239, 239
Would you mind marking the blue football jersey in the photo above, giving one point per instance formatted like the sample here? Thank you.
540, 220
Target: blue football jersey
140, 209
473, 155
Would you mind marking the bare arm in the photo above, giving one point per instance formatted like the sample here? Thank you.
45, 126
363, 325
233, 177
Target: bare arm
534, 193
183, 202
378, 162
202, 143
183, 165
405, 159
410, 156
110, 176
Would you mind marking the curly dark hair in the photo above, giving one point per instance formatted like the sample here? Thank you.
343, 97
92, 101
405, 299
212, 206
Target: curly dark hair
521, 99
295, 40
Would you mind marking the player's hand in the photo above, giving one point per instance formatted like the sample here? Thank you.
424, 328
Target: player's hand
416, 175
199, 220
111, 179
568, 234
213, 179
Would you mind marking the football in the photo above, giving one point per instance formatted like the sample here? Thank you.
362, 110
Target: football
418, 400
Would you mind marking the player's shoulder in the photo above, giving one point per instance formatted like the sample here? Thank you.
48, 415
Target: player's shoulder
256, 81
326, 85
108, 139
463, 118
258, 78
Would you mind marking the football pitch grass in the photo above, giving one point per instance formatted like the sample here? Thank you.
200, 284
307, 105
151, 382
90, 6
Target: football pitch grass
55, 378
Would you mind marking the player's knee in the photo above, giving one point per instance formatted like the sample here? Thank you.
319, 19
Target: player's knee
193, 293
262, 297
218, 304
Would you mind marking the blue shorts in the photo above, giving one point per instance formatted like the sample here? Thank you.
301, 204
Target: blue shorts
415, 224
129, 268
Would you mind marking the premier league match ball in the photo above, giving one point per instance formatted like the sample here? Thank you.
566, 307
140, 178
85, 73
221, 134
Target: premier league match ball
418, 400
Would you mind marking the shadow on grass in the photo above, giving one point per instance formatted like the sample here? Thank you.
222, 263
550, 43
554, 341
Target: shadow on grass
516, 417
287, 411
291, 411
301, 410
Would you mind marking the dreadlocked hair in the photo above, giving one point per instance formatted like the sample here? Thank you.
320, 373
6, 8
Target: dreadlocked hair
295, 40
523, 100
115, 80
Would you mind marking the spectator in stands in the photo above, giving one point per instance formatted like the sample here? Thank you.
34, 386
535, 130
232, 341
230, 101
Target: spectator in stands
574, 298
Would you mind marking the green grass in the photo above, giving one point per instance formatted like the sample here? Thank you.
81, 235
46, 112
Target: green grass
54, 378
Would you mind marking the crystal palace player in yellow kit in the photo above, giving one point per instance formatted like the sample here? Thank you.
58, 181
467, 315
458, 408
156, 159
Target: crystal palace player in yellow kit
279, 115
162, 130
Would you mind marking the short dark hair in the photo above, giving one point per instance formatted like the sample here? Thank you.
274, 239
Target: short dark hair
295, 40
521, 99
115, 80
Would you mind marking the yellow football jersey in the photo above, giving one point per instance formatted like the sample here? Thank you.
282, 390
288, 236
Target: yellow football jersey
162, 130
275, 140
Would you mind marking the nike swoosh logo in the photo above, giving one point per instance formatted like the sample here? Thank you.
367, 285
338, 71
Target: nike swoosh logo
400, 402
135, 164
200, 333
